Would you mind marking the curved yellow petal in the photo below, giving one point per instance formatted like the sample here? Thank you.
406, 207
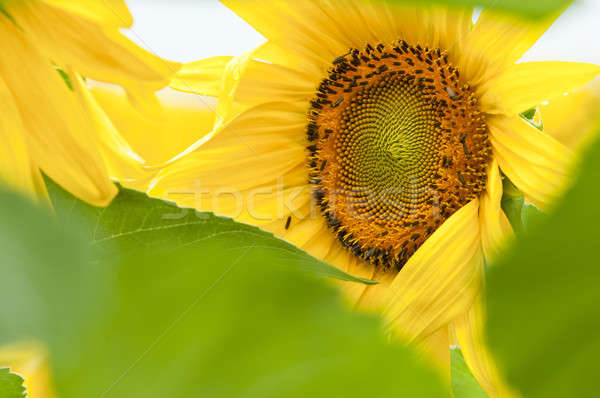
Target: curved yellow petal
495, 227
30, 361
469, 329
535, 162
266, 82
15, 165
447, 27
573, 119
92, 49
57, 130
258, 155
440, 281
525, 85
435, 348
121, 161
112, 12
203, 77
297, 24
496, 42
153, 138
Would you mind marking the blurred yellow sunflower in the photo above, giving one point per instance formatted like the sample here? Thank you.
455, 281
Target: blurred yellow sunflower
373, 136
51, 122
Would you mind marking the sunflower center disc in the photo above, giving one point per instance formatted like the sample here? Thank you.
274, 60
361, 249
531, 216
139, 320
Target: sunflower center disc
397, 145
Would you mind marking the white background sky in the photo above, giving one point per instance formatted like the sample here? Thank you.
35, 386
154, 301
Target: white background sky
188, 30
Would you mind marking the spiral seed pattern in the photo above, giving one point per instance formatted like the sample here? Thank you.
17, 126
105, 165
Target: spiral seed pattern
397, 145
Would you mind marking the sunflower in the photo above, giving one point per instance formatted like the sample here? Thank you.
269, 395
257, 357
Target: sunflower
50, 122
376, 136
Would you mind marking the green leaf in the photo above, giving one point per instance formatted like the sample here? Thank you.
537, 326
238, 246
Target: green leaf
523, 216
512, 204
464, 384
543, 297
529, 8
11, 385
198, 317
133, 222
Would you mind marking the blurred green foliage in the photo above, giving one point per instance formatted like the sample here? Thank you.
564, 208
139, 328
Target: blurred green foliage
133, 223
464, 384
543, 297
11, 385
527, 8
202, 306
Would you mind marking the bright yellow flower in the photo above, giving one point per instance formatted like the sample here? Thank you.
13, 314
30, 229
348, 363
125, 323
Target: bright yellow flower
373, 136
47, 125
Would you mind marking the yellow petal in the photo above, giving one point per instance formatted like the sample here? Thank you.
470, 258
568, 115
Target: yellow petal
204, 77
440, 281
55, 126
152, 137
495, 227
241, 170
121, 161
30, 361
112, 12
266, 82
435, 348
15, 165
535, 162
573, 119
95, 51
496, 42
523, 86
297, 24
469, 329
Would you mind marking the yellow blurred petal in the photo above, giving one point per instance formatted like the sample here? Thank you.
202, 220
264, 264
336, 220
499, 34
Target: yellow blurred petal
523, 86
469, 329
112, 12
53, 121
241, 171
441, 280
121, 161
449, 25
536, 163
30, 361
573, 119
496, 42
92, 49
153, 138
297, 24
435, 348
495, 227
15, 165
266, 82
204, 77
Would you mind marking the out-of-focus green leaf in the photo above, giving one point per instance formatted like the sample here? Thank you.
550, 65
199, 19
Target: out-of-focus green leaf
464, 384
198, 318
528, 8
523, 216
531, 216
134, 222
11, 385
544, 301
512, 204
